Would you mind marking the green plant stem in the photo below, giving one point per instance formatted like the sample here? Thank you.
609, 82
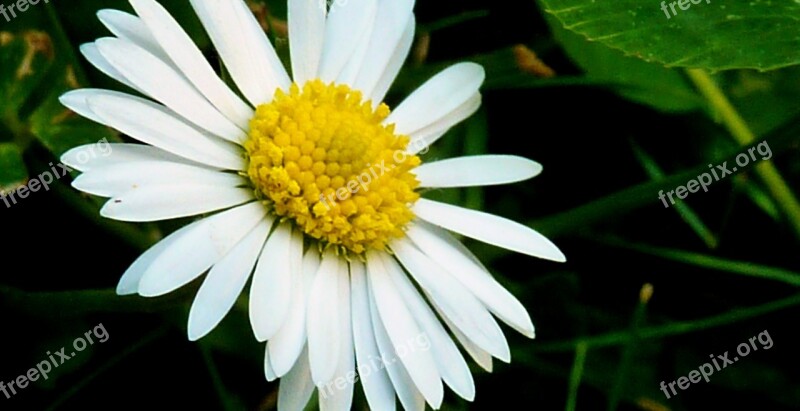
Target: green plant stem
629, 349
227, 402
741, 132
671, 329
686, 213
711, 262
576, 375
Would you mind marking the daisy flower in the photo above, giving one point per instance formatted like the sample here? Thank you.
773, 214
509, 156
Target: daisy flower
310, 185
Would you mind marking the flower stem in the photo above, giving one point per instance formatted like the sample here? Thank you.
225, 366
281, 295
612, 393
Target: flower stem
741, 132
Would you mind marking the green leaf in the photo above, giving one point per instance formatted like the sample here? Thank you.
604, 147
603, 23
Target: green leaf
713, 34
13, 173
647, 83
24, 61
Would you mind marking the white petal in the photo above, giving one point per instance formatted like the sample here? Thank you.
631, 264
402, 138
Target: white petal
287, 343
349, 73
410, 397
488, 228
425, 137
437, 242
399, 55
437, 98
189, 59
113, 180
306, 37
323, 320
268, 371
131, 28
271, 291
129, 283
332, 397
163, 83
244, 48
391, 21
346, 25
455, 371
225, 283
154, 124
93, 56
91, 156
165, 202
402, 328
296, 387
478, 354
457, 303
78, 100
476, 171
199, 248
375, 381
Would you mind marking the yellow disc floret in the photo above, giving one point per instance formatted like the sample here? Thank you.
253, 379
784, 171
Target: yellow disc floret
322, 157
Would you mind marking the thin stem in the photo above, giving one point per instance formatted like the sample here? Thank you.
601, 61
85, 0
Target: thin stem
741, 132
630, 348
576, 375
671, 329
711, 262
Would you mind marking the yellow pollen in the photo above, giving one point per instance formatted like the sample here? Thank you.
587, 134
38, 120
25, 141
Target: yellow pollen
322, 157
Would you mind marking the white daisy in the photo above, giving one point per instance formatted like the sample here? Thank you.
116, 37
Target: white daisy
347, 273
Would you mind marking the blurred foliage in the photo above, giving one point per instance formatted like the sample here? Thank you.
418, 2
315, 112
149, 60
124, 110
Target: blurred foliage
648, 294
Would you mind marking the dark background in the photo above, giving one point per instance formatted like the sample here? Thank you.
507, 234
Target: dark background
583, 133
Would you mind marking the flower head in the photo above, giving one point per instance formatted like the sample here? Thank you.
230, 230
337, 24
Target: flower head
309, 184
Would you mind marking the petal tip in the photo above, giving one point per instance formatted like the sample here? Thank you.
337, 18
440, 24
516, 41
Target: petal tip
125, 290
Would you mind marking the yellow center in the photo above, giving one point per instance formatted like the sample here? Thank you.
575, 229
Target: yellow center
322, 157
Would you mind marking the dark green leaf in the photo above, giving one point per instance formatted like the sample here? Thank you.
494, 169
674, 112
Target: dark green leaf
643, 82
713, 34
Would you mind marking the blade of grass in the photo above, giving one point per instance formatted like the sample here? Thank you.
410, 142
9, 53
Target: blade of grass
741, 132
672, 329
687, 214
744, 268
758, 196
629, 349
576, 375
611, 206
618, 204
227, 401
